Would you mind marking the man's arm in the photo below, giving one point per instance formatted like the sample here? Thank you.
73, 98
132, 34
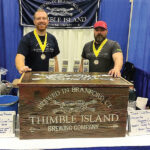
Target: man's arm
118, 62
56, 64
20, 64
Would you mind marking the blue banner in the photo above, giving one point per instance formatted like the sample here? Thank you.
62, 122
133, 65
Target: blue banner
61, 13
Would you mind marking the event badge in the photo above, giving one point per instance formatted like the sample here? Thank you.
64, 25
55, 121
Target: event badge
42, 46
96, 62
43, 56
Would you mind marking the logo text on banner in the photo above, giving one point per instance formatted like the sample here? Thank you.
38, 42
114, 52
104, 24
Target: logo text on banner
61, 13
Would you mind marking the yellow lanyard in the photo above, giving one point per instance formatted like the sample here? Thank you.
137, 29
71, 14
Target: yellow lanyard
42, 46
97, 51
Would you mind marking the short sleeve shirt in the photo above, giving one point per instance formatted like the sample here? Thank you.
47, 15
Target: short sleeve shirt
30, 48
104, 61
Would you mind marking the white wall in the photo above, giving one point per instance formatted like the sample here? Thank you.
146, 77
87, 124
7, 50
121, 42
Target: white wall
71, 43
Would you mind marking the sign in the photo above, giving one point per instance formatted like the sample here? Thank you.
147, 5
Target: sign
72, 105
61, 13
7, 123
139, 122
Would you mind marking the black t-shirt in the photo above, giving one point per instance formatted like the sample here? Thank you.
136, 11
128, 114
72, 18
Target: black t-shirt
104, 61
30, 48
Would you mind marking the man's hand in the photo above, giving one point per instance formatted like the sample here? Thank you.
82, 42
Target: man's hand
24, 69
115, 72
118, 62
20, 64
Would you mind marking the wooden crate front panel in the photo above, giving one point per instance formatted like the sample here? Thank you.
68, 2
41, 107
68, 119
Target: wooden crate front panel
47, 112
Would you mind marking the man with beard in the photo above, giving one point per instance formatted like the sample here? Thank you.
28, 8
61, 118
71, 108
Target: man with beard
37, 47
104, 55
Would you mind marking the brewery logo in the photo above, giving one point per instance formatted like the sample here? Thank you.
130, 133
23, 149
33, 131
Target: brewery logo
64, 13
73, 106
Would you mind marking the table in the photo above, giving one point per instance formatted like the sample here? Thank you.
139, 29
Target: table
16, 143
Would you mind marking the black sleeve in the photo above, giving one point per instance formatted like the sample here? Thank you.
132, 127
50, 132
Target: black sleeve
84, 52
23, 47
116, 48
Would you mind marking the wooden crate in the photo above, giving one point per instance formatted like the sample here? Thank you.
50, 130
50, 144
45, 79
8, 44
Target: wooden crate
72, 105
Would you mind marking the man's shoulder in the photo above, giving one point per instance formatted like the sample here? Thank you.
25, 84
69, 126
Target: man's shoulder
28, 35
89, 43
51, 35
112, 42
114, 45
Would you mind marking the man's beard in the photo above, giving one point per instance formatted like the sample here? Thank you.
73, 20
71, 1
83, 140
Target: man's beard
99, 38
41, 29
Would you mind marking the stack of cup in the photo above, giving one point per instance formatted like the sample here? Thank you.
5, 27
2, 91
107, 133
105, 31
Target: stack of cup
76, 66
51, 65
85, 65
65, 66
